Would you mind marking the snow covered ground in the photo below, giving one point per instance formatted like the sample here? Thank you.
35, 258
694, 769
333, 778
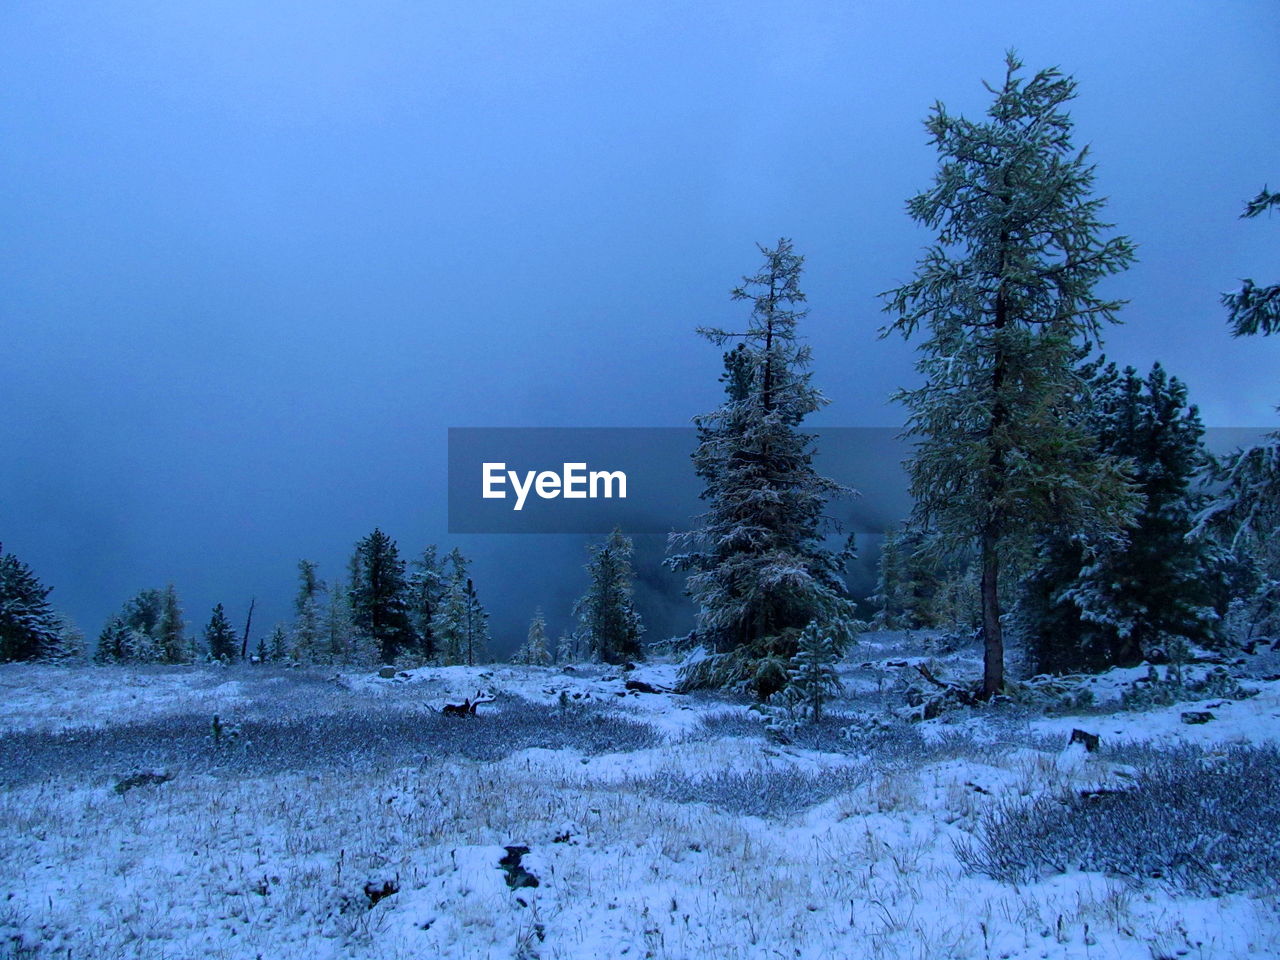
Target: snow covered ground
339, 815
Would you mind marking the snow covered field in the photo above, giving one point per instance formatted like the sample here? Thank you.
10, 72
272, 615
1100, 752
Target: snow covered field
343, 816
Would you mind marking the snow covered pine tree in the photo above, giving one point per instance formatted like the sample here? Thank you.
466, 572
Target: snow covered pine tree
812, 676
760, 569
1090, 606
379, 612
220, 638
1007, 297
461, 624
533, 651
427, 586
607, 616
29, 629
308, 631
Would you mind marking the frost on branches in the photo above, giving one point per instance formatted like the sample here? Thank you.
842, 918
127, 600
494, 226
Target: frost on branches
1006, 296
812, 678
759, 571
608, 621
1245, 515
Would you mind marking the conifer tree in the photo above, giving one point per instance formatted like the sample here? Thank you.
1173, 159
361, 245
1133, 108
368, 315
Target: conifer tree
1007, 297
607, 616
426, 588
171, 629
70, 646
759, 569
919, 590
220, 638
888, 599
476, 645
812, 677
308, 635
534, 649
277, 647
1096, 605
29, 629
461, 624
378, 609
566, 648
338, 640
134, 635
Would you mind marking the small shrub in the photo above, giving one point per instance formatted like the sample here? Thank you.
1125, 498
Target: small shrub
1199, 822
762, 791
1154, 691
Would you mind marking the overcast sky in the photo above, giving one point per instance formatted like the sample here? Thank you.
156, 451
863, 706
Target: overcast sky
256, 257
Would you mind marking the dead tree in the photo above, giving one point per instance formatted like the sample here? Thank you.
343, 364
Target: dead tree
467, 708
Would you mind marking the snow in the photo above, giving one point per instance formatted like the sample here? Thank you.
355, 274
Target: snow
230, 865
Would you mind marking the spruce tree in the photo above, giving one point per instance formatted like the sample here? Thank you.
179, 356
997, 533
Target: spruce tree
70, 646
219, 638
426, 590
476, 644
29, 629
918, 590
378, 609
277, 647
1007, 297
171, 629
338, 641
1096, 605
759, 569
308, 635
607, 616
566, 648
461, 624
535, 644
137, 634
812, 675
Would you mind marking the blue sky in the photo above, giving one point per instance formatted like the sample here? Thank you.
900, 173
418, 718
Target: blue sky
257, 257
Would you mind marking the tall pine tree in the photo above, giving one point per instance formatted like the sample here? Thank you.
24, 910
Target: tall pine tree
308, 634
219, 637
426, 590
171, 629
608, 620
533, 651
461, 624
378, 609
29, 629
1007, 297
759, 569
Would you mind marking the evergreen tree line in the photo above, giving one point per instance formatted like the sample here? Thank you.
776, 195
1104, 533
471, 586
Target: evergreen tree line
386, 611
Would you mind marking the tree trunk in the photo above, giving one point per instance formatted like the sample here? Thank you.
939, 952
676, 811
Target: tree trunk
248, 622
992, 636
